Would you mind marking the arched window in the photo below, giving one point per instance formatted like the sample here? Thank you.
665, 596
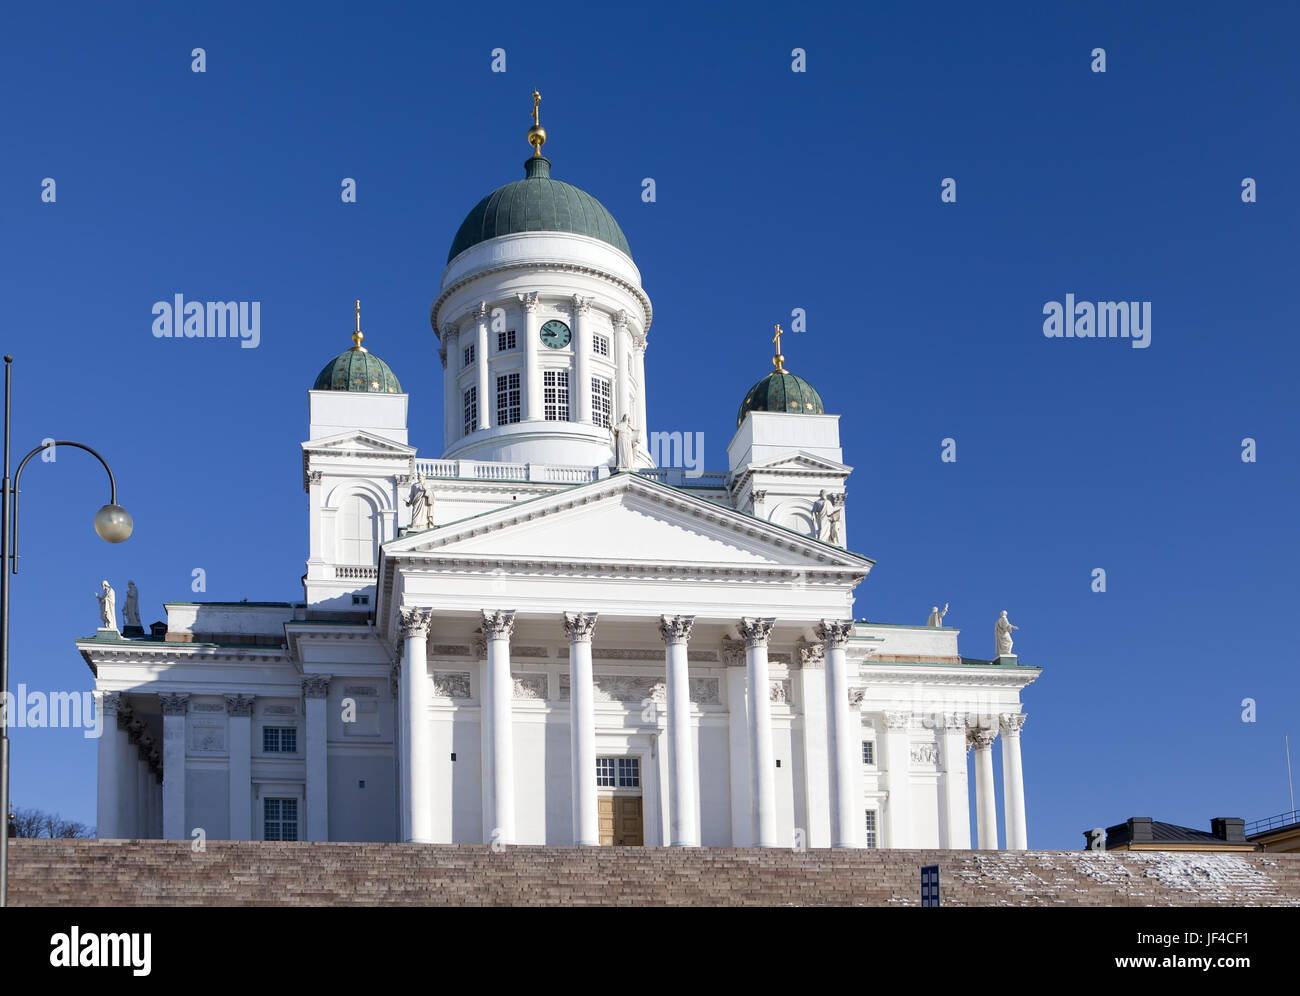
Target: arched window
358, 531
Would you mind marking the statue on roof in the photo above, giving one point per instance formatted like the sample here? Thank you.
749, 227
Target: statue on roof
936, 617
625, 440
131, 607
421, 503
826, 518
107, 599
1002, 635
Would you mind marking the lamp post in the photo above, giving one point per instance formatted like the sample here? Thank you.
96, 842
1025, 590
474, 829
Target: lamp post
113, 524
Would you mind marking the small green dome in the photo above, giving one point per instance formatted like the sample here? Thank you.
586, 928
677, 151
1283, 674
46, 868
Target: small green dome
357, 369
537, 204
781, 391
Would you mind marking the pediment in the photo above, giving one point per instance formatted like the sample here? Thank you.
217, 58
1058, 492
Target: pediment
357, 442
626, 519
800, 461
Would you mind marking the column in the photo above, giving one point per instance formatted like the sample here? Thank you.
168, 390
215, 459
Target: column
683, 819
986, 814
497, 629
843, 743
239, 710
144, 828
112, 748
174, 706
582, 356
1013, 781
762, 758
485, 735
580, 627
812, 695
621, 408
638, 353
485, 410
896, 777
451, 364
127, 723
954, 788
531, 382
417, 774
742, 822
315, 689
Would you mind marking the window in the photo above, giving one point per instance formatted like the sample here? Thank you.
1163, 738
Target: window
470, 405
469, 355
600, 343
279, 740
279, 819
602, 404
868, 752
358, 541
507, 399
629, 772
505, 340
360, 599
871, 840
555, 395
605, 772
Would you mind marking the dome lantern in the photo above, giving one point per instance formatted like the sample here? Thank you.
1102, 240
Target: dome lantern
781, 391
357, 369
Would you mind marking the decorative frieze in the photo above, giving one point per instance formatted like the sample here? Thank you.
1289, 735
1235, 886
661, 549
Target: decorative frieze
779, 692
856, 696
208, 707
360, 690
523, 651
733, 652
208, 736
705, 691
280, 710
530, 686
812, 655
925, 754
450, 684
897, 720
449, 650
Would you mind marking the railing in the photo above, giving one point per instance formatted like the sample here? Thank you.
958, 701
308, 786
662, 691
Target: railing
1270, 822
544, 473
679, 477
359, 573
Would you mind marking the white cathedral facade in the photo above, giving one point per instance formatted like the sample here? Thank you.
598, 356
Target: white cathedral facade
540, 637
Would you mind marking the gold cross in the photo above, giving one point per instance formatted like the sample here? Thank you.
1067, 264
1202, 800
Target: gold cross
537, 99
357, 336
778, 360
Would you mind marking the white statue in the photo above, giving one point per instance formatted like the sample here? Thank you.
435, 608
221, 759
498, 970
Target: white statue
1002, 634
625, 440
421, 503
131, 607
826, 519
107, 606
936, 617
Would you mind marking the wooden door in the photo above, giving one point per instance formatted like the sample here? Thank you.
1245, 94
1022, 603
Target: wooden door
605, 813
628, 830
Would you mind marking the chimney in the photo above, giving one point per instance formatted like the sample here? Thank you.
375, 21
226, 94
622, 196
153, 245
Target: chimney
1139, 830
158, 630
1229, 829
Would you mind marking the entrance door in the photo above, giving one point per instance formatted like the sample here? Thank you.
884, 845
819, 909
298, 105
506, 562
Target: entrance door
618, 780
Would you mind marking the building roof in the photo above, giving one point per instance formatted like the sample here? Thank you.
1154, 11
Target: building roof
357, 369
537, 204
781, 391
1144, 832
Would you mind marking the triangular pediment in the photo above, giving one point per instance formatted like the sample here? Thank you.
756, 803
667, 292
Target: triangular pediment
626, 519
798, 460
357, 442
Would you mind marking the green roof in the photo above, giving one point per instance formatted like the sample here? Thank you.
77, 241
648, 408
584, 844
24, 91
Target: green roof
357, 369
537, 204
781, 391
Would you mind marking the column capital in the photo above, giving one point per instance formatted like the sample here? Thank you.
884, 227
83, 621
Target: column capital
896, 720
528, 301
581, 305
478, 312
834, 632
498, 625
414, 621
755, 630
580, 626
450, 331
110, 702
316, 686
618, 319
733, 652
1011, 722
675, 629
812, 655
981, 737
639, 340
239, 705
174, 703
950, 720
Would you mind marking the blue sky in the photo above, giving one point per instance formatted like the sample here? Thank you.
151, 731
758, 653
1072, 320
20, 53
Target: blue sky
776, 190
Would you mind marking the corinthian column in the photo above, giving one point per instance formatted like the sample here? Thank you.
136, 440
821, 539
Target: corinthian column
452, 423
842, 741
986, 813
638, 379
315, 688
1013, 780
240, 710
532, 366
762, 762
497, 629
486, 412
581, 393
954, 789
112, 749
174, 709
580, 627
683, 818
621, 386
413, 684
896, 764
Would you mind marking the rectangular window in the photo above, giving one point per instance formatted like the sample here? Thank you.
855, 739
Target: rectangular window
629, 772
280, 819
602, 403
868, 752
600, 343
469, 355
555, 395
470, 406
507, 399
871, 840
279, 740
505, 340
605, 772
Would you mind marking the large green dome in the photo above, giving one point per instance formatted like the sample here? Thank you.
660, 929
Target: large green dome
781, 391
537, 204
357, 370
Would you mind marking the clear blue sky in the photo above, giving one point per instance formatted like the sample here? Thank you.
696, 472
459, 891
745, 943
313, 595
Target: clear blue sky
776, 190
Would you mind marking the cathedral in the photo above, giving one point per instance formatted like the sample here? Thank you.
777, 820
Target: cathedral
538, 635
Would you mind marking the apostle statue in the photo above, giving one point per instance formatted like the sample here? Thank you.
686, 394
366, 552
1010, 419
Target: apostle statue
625, 440
1002, 635
826, 519
421, 503
107, 606
936, 617
131, 607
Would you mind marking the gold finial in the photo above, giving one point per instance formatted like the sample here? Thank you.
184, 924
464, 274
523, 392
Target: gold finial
357, 336
536, 134
778, 360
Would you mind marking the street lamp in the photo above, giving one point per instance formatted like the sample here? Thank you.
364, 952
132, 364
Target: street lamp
112, 522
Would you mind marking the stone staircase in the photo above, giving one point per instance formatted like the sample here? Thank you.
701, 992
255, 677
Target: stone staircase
228, 873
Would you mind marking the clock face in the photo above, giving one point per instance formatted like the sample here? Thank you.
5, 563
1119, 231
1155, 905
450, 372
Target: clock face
556, 334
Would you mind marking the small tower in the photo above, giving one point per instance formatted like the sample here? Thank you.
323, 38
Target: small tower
785, 458
356, 468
